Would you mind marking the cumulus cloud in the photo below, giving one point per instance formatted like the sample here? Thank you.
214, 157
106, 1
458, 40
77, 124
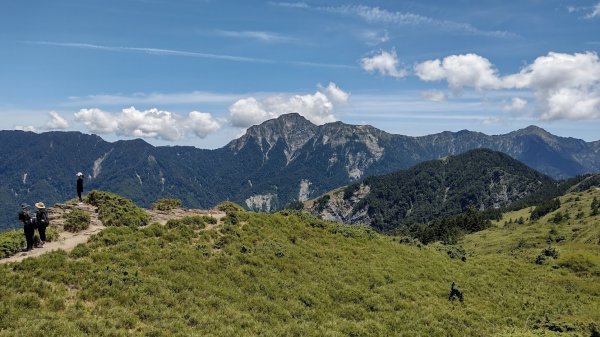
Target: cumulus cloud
203, 123
29, 128
97, 120
516, 104
564, 85
434, 95
152, 123
333, 92
384, 63
56, 122
468, 70
317, 107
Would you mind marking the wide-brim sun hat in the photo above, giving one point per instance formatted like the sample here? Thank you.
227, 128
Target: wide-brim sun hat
79, 174
40, 205
24, 205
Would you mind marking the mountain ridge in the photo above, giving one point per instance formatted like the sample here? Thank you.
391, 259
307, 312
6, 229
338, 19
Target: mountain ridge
482, 179
274, 163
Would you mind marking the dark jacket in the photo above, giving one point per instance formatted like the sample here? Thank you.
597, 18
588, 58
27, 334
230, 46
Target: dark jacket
42, 218
25, 218
80, 185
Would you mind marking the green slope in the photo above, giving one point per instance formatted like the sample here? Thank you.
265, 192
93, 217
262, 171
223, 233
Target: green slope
294, 275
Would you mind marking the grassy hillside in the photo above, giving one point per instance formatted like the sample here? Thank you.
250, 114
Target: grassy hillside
290, 274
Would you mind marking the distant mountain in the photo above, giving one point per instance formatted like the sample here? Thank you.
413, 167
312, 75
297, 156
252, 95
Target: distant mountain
278, 161
482, 179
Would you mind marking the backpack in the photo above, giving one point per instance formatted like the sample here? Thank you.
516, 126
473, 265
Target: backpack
42, 219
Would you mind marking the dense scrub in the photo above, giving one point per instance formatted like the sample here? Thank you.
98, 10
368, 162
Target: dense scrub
229, 206
289, 274
77, 220
12, 241
115, 210
166, 204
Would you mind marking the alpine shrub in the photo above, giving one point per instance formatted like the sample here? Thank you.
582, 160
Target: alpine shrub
77, 220
166, 204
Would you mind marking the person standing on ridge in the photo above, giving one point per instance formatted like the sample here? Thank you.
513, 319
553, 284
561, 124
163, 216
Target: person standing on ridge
41, 217
28, 226
80, 186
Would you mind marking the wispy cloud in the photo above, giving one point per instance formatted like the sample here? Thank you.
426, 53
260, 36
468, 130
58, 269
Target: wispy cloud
193, 97
183, 53
152, 51
595, 13
590, 11
262, 36
383, 16
322, 65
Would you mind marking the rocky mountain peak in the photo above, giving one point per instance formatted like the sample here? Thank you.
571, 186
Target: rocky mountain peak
533, 130
292, 128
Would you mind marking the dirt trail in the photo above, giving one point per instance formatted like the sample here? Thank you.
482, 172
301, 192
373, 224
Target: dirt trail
67, 240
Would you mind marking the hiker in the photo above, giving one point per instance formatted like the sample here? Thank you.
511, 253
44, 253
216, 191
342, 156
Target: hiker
28, 225
455, 293
80, 186
41, 217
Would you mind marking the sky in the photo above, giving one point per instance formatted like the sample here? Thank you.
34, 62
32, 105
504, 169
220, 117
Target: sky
200, 72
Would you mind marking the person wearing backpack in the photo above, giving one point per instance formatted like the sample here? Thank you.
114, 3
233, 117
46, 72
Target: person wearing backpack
80, 186
41, 217
28, 225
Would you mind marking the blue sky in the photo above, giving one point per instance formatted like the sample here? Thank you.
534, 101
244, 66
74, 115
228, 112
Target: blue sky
194, 72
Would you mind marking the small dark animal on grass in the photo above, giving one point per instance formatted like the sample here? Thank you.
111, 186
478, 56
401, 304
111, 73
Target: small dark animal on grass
455, 293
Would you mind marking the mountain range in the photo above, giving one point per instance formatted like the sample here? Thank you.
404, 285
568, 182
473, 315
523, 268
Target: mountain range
480, 179
272, 164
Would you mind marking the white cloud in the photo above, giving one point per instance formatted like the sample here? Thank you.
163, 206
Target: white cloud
565, 86
152, 98
334, 93
516, 104
374, 37
383, 16
385, 63
317, 107
267, 37
434, 95
595, 12
97, 120
203, 123
468, 70
29, 128
152, 123
56, 122
246, 112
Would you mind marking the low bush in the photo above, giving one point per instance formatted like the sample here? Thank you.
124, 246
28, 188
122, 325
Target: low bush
579, 264
195, 222
228, 206
166, 204
115, 210
545, 254
545, 208
77, 220
11, 242
210, 220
